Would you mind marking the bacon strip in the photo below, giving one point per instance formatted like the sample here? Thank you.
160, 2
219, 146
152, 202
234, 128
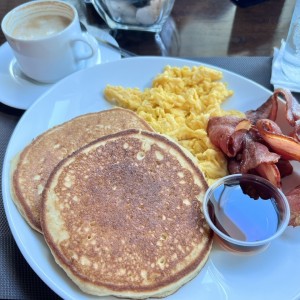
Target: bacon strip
234, 166
292, 111
285, 167
254, 154
286, 146
262, 148
267, 110
247, 153
270, 172
227, 133
292, 106
293, 199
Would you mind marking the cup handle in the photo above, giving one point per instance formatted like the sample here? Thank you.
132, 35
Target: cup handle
87, 40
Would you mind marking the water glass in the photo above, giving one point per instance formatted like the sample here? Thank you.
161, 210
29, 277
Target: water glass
291, 55
143, 15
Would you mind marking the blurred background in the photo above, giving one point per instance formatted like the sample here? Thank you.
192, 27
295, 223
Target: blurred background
199, 28
213, 28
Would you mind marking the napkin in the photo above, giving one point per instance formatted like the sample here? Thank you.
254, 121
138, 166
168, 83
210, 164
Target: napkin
278, 78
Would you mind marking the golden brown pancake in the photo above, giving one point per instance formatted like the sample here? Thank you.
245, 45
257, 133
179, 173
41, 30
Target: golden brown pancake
123, 216
32, 167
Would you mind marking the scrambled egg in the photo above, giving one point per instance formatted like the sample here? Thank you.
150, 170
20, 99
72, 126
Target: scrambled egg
179, 104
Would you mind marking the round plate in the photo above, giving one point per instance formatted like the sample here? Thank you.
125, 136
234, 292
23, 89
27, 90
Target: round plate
19, 91
272, 274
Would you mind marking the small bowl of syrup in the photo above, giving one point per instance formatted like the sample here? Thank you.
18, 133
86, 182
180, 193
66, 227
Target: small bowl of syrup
246, 212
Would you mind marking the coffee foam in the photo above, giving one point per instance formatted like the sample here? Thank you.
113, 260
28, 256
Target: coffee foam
40, 26
37, 12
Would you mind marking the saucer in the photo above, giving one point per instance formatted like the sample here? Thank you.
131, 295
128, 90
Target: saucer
19, 91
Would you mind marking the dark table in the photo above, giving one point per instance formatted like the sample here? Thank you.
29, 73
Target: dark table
202, 28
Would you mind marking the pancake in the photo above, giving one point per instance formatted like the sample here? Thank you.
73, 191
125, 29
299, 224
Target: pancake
123, 216
32, 167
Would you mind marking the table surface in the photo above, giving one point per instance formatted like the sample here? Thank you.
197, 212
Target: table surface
202, 28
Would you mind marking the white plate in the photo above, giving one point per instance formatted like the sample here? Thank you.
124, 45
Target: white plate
17, 90
273, 274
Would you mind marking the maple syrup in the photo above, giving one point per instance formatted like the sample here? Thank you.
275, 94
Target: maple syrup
246, 211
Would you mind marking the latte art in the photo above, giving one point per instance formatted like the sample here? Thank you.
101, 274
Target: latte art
40, 26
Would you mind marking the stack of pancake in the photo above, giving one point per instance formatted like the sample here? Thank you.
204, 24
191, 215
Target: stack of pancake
118, 204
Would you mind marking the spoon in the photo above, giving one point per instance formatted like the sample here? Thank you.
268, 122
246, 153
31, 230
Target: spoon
221, 220
123, 52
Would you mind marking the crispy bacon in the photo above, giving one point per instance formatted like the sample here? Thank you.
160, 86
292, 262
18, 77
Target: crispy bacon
292, 111
285, 167
292, 106
268, 125
270, 172
293, 199
259, 146
268, 110
234, 166
254, 154
227, 133
286, 146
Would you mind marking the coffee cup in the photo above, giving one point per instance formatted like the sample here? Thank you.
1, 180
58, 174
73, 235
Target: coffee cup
47, 40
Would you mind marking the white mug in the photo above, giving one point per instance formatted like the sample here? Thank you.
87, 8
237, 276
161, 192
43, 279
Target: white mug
46, 39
